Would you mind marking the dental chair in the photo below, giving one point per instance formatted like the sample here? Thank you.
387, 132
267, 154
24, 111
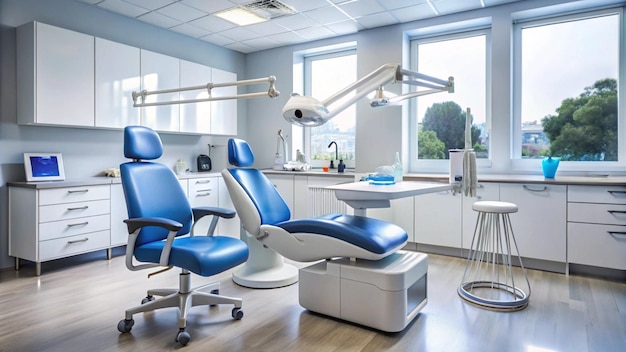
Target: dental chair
160, 234
359, 272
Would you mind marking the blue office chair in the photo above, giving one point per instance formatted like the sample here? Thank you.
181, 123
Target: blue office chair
161, 234
265, 215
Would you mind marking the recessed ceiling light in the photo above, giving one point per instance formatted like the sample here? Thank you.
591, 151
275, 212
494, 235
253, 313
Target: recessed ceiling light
256, 12
240, 16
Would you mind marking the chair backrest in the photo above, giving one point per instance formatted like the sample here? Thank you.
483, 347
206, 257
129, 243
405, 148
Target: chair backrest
254, 196
151, 189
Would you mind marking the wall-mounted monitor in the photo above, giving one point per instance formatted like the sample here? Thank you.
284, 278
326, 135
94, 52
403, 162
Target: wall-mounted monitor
44, 167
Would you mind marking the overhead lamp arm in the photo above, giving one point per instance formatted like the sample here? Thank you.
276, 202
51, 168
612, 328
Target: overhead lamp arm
309, 112
271, 92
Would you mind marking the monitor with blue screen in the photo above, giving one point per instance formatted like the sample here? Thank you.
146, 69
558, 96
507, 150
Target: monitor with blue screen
44, 167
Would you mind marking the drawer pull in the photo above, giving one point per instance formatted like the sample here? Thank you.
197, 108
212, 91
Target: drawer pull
78, 191
78, 241
617, 192
616, 211
204, 190
545, 188
78, 224
79, 208
203, 194
617, 233
203, 181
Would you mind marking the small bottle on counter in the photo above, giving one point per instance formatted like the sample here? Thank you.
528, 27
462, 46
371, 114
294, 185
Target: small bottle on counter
397, 169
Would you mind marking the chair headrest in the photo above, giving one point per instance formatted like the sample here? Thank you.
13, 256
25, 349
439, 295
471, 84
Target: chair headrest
142, 143
239, 152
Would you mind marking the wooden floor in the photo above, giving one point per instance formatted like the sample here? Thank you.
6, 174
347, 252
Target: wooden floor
76, 304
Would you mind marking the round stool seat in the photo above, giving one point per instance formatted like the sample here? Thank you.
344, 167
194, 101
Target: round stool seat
488, 206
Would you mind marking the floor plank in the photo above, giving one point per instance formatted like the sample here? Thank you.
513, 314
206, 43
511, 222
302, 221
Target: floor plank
76, 303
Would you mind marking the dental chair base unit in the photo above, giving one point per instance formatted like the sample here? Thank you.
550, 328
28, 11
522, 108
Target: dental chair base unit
384, 294
361, 274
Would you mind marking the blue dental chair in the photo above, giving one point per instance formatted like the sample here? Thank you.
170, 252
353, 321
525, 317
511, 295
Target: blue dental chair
160, 227
361, 274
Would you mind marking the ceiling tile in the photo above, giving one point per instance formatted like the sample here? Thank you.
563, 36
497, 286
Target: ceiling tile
345, 27
217, 39
317, 32
122, 8
238, 46
151, 4
181, 12
452, 6
239, 34
397, 4
213, 24
288, 38
378, 20
412, 13
190, 30
267, 28
157, 19
326, 15
261, 43
305, 5
361, 8
293, 22
211, 6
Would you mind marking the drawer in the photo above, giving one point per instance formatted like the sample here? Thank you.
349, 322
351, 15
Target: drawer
63, 247
598, 245
73, 194
597, 194
203, 191
66, 211
73, 227
612, 214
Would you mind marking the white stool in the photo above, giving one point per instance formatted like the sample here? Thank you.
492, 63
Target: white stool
489, 279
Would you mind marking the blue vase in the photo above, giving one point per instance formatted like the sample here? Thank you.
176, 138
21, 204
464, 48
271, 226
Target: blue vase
549, 166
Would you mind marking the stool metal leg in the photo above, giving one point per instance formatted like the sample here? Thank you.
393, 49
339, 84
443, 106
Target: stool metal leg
490, 280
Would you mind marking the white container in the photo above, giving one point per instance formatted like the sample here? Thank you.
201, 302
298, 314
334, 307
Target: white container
456, 166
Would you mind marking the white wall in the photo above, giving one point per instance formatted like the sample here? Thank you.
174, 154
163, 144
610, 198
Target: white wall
87, 152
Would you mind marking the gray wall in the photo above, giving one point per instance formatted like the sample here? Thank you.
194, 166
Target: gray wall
87, 152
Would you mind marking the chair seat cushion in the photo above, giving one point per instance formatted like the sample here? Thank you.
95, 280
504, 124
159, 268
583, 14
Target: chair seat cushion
203, 255
373, 235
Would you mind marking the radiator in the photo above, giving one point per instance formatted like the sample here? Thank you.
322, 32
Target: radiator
323, 201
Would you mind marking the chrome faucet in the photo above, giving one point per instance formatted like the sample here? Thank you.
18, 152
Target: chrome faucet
332, 165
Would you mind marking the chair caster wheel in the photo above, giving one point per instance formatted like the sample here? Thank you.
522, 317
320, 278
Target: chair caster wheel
183, 337
147, 299
237, 313
125, 325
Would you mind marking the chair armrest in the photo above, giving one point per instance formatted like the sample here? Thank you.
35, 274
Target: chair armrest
137, 223
201, 212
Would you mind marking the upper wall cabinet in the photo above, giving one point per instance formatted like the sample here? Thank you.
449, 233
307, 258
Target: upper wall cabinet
195, 117
117, 76
55, 68
224, 112
159, 72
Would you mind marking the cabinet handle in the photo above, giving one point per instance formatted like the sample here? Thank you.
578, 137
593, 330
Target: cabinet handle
78, 191
78, 241
204, 190
617, 192
203, 194
617, 233
203, 181
545, 188
78, 224
616, 211
79, 208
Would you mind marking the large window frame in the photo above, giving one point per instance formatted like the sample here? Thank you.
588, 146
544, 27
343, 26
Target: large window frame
520, 163
442, 165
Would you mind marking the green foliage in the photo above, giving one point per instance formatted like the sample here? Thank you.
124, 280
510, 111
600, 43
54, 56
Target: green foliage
585, 127
429, 146
447, 121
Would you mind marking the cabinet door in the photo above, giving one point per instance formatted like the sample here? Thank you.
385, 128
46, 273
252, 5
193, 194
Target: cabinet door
64, 77
485, 191
438, 219
540, 223
203, 192
160, 72
224, 112
119, 212
195, 117
227, 227
117, 77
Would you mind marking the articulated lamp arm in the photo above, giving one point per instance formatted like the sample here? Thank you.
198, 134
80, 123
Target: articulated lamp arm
271, 92
309, 112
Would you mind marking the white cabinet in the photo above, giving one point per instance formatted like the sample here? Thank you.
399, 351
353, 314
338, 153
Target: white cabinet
117, 76
195, 117
55, 70
227, 227
203, 192
224, 112
540, 223
596, 226
46, 224
119, 212
438, 219
159, 72
401, 212
484, 191
285, 186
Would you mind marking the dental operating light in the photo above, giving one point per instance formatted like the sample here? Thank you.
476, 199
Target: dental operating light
271, 92
307, 111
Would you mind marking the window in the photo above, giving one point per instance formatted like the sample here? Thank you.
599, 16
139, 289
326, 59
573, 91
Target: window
566, 87
438, 120
324, 75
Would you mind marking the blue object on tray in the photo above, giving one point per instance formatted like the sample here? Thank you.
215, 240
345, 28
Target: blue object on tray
381, 180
